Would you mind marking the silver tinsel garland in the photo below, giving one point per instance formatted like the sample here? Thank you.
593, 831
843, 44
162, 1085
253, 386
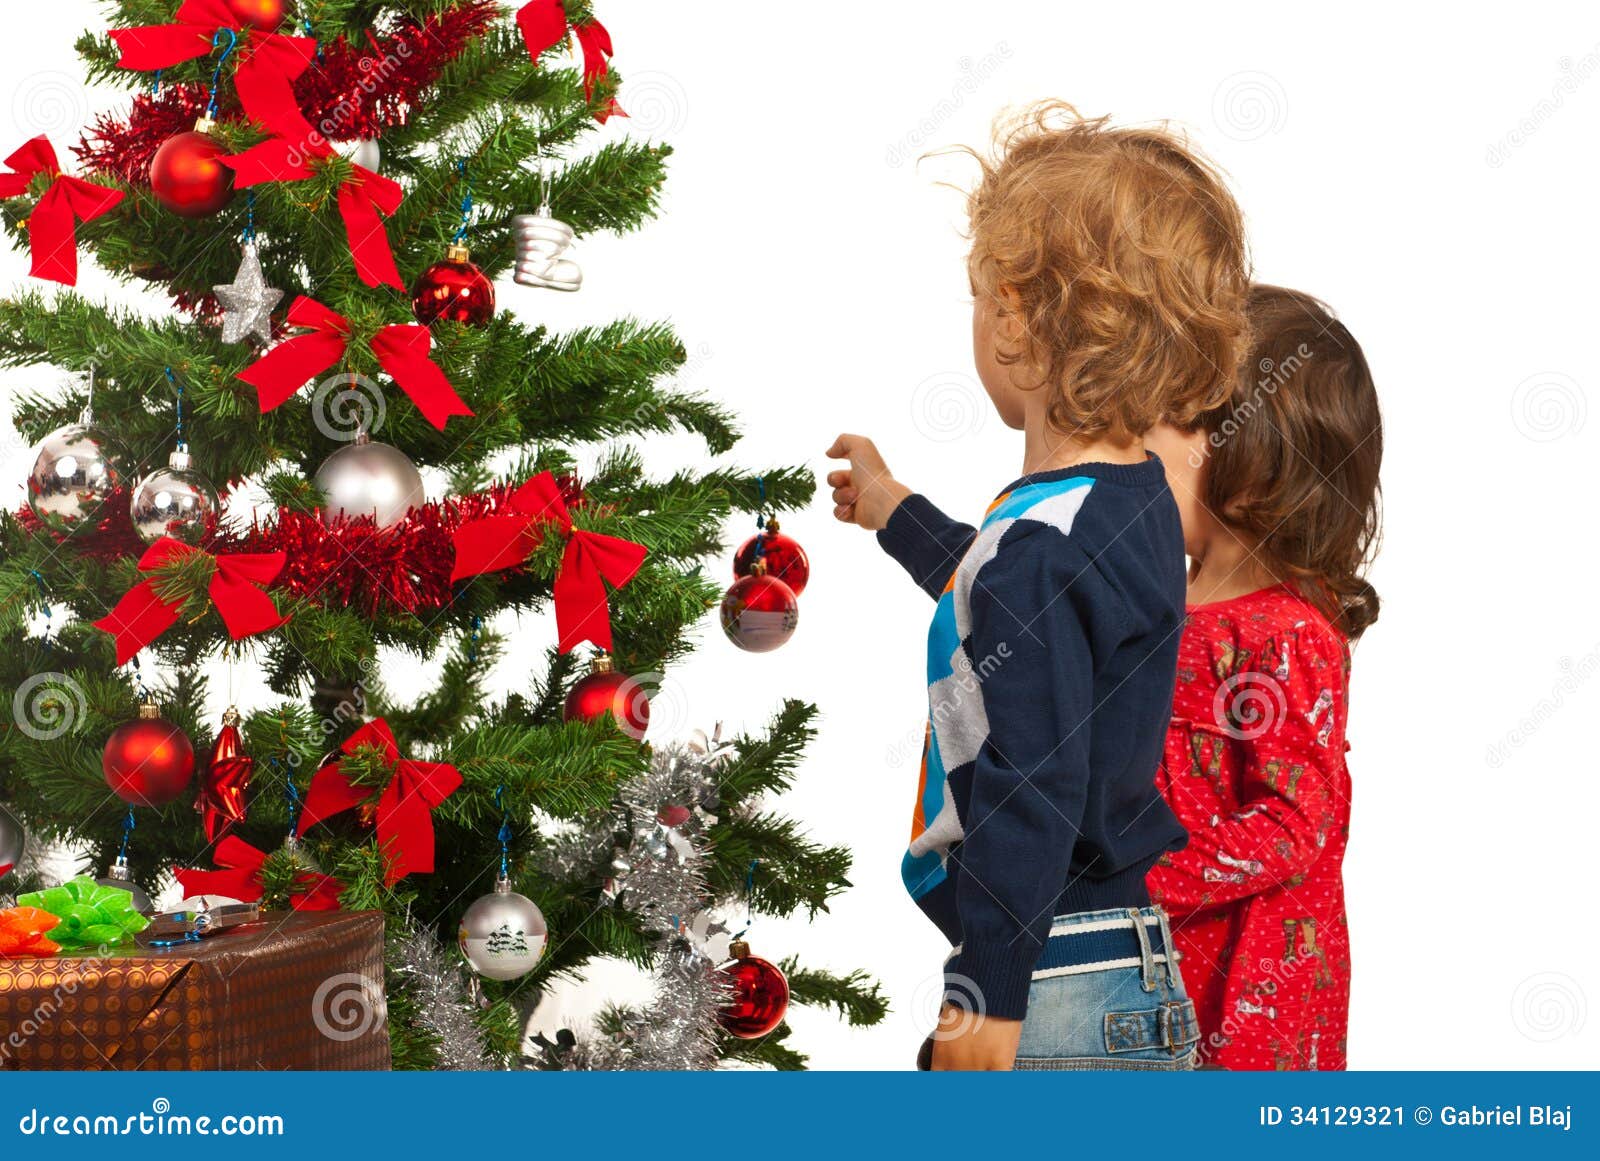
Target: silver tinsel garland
444, 1000
660, 877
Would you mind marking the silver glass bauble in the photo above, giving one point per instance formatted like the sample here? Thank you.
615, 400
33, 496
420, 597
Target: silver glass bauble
13, 840
366, 154
369, 479
174, 501
541, 241
78, 467
503, 934
117, 875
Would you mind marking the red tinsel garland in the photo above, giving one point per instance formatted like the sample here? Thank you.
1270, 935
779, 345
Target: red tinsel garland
353, 563
352, 91
111, 539
348, 563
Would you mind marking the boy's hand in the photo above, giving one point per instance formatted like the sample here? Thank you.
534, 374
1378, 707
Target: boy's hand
865, 493
963, 1044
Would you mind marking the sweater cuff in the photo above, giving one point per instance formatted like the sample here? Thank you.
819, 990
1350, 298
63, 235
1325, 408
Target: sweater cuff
992, 979
908, 538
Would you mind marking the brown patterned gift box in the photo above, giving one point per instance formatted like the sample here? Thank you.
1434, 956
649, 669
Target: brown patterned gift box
300, 990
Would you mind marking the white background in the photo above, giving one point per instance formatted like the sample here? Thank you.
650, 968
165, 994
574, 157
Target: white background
1429, 173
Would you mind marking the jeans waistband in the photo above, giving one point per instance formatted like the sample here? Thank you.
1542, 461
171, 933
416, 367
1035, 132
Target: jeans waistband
1137, 937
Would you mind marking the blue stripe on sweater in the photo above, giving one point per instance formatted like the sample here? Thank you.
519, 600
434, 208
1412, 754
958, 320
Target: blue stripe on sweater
1019, 501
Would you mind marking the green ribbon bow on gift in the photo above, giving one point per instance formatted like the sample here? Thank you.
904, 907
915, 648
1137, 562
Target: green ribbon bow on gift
91, 915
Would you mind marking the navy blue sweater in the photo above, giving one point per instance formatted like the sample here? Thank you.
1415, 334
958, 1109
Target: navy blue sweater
1051, 662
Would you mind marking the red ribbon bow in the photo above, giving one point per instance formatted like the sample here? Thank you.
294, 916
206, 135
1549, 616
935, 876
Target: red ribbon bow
52, 227
405, 809
501, 541
142, 615
402, 351
268, 64
264, 82
544, 22
242, 879
268, 61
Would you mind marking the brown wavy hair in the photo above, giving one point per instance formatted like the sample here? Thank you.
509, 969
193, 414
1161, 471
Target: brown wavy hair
1293, 455
1128, 255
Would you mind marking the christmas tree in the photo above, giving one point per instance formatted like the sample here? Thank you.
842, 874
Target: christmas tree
325, 190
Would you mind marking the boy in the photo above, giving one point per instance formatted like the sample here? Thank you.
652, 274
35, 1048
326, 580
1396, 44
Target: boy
1109, 277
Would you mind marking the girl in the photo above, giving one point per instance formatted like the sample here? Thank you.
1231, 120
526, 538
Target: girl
1278, 492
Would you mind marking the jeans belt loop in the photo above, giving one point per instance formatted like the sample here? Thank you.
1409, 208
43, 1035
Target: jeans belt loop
1167, 947
1147, 959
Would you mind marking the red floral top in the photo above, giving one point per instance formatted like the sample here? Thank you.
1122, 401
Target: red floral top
1255, 770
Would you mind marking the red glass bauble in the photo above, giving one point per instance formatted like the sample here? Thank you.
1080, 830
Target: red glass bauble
785, 559
760, 994
148, 761
188, 177
454, 289
604, 691
266, 15
759, 612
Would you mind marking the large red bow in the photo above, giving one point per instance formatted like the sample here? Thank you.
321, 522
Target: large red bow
544, 22
287, 156
405, 809
503, 540
52, 230
242, 879
142, 615
268, 61
402, 351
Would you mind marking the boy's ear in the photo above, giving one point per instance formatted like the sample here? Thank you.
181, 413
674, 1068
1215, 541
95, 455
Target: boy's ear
1009, 314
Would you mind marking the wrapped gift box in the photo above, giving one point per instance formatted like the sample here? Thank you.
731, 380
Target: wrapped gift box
298, 990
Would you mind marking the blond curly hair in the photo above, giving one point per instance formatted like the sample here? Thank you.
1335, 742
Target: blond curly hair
1127, 255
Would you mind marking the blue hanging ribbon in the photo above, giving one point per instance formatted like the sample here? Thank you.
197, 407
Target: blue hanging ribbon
290, 794
466, 203
305, 23
749, 898
249, 216
178, 387
127, 832
44, 596
505, 831
761, 518
216, 73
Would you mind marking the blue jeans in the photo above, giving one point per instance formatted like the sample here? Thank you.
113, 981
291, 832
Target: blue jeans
1108, 995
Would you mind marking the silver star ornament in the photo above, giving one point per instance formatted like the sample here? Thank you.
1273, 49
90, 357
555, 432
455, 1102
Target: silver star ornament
248, 302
